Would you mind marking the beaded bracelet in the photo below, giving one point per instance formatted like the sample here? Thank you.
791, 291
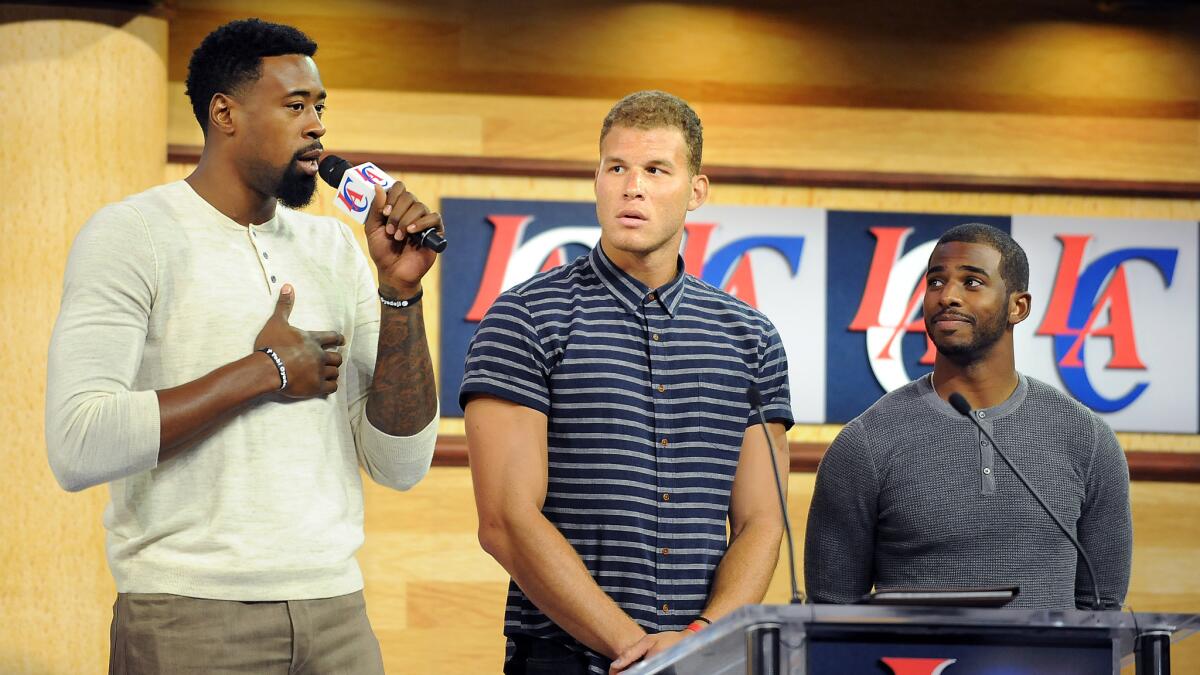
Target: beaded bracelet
278, 364
401, 304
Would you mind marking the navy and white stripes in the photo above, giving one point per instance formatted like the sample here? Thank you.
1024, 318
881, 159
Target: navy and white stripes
645, 393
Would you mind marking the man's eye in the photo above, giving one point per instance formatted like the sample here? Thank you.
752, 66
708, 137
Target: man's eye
320, 109
934, 283
973, 282
617, 169
296, 106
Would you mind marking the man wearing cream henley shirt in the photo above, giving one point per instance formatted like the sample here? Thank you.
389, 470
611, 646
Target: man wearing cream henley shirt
223, 363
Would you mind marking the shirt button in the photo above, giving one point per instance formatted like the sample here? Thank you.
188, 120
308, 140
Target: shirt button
666, 551
253, 234
265, 255
650, 297
987, 471
664, 442
666, 607
272, 278
983, 444
662, 388
982, 414
655, 337
666, 496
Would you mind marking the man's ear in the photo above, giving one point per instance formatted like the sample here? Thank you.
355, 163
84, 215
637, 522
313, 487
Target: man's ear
221, 114
1019, 306
699, 192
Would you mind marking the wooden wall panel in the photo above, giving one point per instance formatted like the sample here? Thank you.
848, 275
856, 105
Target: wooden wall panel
769, 136
70, 141
1031, 88
1036, 56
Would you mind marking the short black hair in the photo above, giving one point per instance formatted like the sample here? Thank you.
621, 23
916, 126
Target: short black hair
1014, 265
231, 56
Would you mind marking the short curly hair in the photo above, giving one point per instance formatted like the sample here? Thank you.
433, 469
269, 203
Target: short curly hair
231, 57
1014, 265
653, 109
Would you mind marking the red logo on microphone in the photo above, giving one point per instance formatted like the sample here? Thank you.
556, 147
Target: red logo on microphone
908, 666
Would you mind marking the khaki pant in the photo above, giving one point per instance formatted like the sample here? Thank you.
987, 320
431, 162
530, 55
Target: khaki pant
159, 633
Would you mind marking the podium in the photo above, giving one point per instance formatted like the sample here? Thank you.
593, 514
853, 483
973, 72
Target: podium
895, 640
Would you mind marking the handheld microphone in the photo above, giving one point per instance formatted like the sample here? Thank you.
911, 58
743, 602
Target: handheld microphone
959, 403
355, 187
755, 398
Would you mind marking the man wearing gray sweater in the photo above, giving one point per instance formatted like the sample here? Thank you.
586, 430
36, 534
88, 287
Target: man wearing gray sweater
223, 363
911, 494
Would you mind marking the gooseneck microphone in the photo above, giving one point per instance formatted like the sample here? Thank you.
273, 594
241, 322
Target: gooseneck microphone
959, 403
355, 186
755, 398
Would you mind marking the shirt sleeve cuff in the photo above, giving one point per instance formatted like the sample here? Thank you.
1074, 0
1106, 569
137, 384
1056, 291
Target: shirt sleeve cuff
399, 462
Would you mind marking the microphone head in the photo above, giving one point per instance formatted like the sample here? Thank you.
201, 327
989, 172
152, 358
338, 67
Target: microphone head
331, 168
959, 403
754, 396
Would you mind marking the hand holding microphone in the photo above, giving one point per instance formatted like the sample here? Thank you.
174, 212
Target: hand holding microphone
356, 197
403, 235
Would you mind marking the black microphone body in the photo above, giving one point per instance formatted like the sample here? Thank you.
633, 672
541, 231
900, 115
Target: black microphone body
959, 403
331, 170
755, 399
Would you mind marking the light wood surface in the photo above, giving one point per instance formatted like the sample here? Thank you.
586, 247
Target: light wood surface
984, 144
1030, 88
83, 123
1039, 56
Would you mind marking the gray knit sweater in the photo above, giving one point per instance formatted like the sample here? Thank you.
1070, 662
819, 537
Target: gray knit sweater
911, 495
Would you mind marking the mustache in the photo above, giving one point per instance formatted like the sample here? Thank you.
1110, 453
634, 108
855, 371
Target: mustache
315, 146
946, 313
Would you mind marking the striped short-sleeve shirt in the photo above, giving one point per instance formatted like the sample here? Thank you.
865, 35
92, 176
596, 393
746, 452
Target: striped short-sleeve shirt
645, 395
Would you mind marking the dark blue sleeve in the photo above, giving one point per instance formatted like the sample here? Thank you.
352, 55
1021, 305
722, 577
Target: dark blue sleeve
506, 358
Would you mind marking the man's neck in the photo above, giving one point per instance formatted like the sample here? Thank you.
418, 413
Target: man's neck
986, 382
654, 269
220, 184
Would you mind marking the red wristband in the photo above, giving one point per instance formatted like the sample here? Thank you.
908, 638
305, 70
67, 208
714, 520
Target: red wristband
694, 627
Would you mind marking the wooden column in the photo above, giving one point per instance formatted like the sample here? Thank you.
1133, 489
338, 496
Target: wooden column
82, 123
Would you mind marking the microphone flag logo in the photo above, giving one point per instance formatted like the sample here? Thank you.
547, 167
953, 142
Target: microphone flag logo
356, 190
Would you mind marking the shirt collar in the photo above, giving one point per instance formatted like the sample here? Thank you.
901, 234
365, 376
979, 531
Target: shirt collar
1014, 401
630, 292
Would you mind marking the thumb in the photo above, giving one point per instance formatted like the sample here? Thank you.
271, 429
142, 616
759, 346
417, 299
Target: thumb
287, 298
380, 209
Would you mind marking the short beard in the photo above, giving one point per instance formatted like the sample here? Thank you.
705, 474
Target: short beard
292, 187
986, 337
295, 188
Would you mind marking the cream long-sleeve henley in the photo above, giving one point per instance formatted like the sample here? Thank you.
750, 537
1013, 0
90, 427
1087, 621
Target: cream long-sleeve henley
161, 289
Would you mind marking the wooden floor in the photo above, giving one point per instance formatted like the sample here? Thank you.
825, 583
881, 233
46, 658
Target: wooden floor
436, 599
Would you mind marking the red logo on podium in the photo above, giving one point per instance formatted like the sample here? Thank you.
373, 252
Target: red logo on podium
908, 666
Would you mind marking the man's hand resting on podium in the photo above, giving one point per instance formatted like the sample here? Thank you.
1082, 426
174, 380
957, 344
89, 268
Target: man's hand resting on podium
645, 648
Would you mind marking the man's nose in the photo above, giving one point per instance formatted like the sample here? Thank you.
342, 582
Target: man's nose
633, 184
316, 129
951, 295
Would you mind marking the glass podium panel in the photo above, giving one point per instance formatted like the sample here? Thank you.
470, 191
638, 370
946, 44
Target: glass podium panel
819, 639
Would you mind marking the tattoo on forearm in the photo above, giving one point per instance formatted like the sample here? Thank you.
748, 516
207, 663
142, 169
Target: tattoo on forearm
403, 397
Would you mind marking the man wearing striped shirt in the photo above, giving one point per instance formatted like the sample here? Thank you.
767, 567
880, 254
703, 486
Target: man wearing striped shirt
609, 432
